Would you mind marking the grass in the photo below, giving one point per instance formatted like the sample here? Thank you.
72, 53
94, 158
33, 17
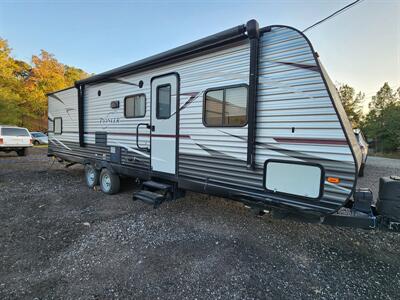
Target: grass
41, 146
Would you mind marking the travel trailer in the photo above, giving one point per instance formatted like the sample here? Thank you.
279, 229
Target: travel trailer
248, 113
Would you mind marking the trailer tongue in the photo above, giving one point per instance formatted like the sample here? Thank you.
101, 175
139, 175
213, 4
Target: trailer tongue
384, 213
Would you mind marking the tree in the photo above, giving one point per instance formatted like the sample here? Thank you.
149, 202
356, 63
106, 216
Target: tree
382, 123
384, 98
73, 74
351, 103
49, 75
23, 87
12, 89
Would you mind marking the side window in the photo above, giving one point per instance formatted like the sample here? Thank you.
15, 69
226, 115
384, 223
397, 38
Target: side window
50, 125
135, 106
225, 107
57, 125
163, 105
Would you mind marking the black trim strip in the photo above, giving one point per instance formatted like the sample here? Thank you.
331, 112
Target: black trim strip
81, 91
254, 35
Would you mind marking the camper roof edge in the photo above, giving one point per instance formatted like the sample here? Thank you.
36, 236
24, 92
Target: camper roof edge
214, 39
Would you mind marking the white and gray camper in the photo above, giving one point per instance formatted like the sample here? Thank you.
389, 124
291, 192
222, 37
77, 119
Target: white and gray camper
248, 114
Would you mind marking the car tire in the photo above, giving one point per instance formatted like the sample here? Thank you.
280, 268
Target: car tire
91, 176
361, 172
36, 143
21, 152
109, 182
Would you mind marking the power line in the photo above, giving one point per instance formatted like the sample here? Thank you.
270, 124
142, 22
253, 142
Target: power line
343, 9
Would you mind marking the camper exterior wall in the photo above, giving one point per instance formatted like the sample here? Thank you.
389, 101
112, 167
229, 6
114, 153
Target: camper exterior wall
296, 120
63, 104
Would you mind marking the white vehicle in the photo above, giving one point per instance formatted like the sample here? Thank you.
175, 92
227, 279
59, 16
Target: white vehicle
14, 138
364, 150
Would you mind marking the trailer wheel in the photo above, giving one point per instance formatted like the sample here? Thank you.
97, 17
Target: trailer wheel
109, 182
91, 175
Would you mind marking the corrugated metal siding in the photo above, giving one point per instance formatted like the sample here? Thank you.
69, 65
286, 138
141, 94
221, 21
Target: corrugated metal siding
292, 94
63, 104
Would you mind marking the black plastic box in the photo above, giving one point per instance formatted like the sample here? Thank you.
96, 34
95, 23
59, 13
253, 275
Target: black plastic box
388, 204
363, 198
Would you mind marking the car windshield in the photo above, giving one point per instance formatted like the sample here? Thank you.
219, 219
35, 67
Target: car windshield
14, 132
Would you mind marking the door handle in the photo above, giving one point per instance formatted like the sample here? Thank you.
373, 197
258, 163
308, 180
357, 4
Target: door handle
151, 127
137, 136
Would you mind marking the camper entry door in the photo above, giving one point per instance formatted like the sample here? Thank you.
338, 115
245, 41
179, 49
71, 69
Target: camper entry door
163, 123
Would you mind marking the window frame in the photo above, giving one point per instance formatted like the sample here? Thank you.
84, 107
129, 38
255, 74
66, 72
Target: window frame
224, 88
157, 100
54, 125
145, 103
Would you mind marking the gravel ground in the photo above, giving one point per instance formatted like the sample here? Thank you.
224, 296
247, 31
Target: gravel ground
375, 168
58, 239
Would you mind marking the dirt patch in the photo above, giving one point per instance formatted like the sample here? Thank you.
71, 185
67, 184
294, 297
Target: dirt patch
58, 239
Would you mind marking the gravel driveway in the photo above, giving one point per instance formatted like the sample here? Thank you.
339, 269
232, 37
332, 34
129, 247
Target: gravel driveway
58, 239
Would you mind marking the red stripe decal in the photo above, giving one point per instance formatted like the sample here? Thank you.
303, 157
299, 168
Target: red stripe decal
310, 141
181, 136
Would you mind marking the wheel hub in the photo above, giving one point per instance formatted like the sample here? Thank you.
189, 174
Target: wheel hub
106, 182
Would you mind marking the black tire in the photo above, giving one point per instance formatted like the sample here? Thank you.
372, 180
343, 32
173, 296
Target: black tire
21, 152
109, 182
36, 143
91, 176
361, 172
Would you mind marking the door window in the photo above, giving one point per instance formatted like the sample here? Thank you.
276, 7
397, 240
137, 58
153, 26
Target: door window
57, 125
163, 101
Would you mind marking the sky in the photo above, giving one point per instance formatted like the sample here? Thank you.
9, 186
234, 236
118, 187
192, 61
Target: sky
360, 47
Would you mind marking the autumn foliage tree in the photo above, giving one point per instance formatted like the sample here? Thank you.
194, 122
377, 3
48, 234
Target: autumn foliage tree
12, 88
23, 86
